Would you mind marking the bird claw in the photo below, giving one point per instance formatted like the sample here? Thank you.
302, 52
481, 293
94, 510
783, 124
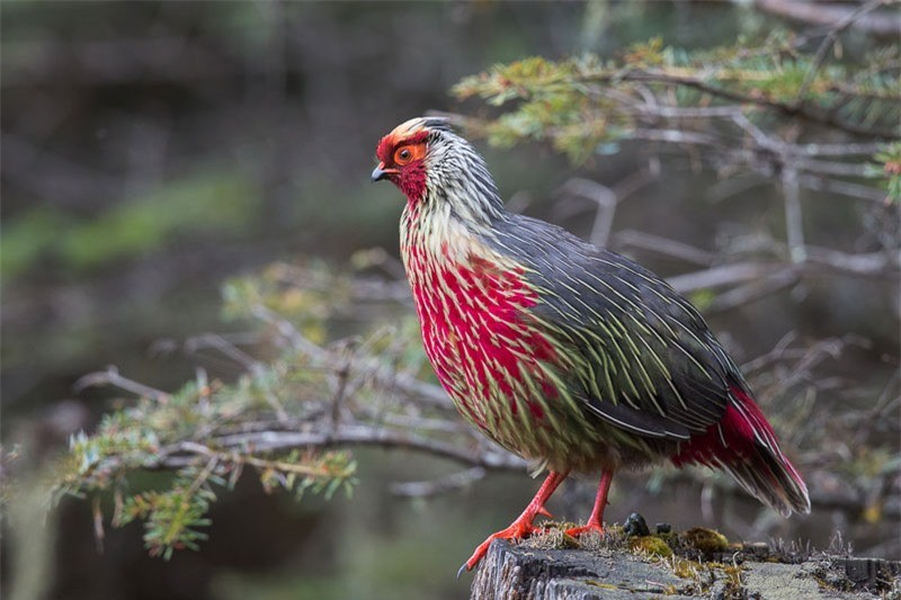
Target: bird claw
522, 527
482, 550
516, 531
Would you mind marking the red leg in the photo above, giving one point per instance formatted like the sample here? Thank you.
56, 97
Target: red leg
596, 520
522, 526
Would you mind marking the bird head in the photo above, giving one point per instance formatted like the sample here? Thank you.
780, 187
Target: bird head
431, 164
403, 155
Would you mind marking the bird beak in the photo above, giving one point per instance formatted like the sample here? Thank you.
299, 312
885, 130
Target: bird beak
380, 172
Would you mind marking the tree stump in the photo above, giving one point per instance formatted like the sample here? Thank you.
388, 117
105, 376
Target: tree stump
525, 572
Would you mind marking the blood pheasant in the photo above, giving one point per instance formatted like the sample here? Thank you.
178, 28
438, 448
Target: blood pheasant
562, 352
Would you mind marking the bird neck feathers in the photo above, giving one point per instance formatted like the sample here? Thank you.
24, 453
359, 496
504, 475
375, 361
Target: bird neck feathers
456, 177
455, 214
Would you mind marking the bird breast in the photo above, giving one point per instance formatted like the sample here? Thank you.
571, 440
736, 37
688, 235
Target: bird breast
473, 306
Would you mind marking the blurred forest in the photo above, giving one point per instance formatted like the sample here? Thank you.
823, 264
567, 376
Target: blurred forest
187, 220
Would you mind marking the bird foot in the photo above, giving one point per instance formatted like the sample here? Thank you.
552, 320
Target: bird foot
517, 530
590, 526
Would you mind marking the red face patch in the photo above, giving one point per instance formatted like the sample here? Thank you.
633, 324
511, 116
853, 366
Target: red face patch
402, 159
391, 143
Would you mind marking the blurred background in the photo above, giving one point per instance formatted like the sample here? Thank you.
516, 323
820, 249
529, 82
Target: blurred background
151, 150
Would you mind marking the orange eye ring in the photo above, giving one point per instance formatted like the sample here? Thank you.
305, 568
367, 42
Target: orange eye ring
406, 154
403, 155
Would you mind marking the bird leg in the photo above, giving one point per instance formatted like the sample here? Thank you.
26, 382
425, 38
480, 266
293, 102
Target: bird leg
596, 520
522, 526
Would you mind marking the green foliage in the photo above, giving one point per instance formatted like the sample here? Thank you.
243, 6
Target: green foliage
94, 461
157, 433
889, 168
306, 296
580, 103
208, 201
209, 432
703, 298
171, 517
553, 106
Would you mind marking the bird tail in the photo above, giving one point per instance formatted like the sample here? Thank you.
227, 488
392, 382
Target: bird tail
744, 445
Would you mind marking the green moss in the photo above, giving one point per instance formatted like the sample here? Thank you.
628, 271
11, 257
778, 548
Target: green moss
733, 577
651, 545
670, 537
705, 540
684, 568
553, 535
615, 531
601, 584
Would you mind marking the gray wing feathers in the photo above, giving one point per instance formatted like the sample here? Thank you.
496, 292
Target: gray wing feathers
645, 360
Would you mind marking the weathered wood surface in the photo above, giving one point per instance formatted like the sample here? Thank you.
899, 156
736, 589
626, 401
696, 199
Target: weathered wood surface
520, 572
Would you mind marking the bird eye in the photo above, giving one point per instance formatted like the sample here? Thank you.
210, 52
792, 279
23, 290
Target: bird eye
403, 156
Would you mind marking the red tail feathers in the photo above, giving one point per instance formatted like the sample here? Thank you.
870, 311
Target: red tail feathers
744, 445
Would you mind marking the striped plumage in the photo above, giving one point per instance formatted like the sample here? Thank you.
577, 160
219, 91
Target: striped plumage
565, 353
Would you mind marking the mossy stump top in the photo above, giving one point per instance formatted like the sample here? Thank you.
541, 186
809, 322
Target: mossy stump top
533, 571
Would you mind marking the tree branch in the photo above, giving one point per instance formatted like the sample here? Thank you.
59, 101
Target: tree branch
822, 13
830, 39
805, 111
186, 453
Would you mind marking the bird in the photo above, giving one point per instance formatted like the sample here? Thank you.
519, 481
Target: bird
567, 354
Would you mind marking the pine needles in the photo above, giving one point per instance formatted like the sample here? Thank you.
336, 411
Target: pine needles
745, 96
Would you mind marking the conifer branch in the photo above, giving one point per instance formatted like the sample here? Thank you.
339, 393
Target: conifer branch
829, 41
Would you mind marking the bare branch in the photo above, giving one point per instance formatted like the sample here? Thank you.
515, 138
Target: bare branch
664, 246
830, 39
676, 136
719, 276
290, 333
606, 200
435, 487
822, 13
112, 377
753, 290
863, 149
845, 188
875, 264
805, 111
217, 342
252, 365
764, 278
793, 219
185, 453
429, 394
